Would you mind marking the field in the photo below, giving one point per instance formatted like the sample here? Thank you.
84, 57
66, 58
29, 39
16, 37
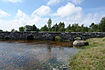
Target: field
91, 57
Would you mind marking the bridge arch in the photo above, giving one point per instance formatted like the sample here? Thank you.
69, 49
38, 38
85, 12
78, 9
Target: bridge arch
30, 37
7, 38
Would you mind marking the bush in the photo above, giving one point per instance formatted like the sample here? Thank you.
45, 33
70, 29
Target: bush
58, 38
103, 39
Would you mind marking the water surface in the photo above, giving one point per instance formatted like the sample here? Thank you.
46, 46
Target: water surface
32, 56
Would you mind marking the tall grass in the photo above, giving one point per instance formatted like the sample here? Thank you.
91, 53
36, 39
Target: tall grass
91, 58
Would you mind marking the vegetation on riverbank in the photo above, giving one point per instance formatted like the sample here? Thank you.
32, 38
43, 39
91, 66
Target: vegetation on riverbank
91, 58
61, 27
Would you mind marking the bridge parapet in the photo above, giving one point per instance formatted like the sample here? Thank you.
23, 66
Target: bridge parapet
50, 35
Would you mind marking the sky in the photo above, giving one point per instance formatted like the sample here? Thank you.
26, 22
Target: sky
16, 13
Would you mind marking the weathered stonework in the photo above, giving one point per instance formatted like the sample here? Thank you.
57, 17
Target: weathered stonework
49, 35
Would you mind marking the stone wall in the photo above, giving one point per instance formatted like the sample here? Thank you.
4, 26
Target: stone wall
49, 35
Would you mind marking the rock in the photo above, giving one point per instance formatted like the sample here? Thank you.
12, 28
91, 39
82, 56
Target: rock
7, 38
47, 36
79, 43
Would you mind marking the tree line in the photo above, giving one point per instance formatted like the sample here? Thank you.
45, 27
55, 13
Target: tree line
60, 27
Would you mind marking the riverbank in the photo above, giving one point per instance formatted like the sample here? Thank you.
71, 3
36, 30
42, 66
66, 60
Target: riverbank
48, 42
91, 57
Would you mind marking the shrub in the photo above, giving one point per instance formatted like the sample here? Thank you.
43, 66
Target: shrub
103, 39
58, 38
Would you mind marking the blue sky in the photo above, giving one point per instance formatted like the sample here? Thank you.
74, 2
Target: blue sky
16, 13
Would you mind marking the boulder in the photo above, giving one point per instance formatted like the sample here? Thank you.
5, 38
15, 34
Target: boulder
79, 43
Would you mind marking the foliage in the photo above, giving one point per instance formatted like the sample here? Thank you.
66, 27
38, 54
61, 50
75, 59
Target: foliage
13, 30
49, 24
68, 29
1, 30
102, 25
45, 28
54, 28
60, 27
34, 28
21, 29
94, 27
28, 28
58, 38
103, 39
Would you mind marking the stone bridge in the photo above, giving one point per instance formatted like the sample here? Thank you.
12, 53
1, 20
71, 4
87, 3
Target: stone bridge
49, 35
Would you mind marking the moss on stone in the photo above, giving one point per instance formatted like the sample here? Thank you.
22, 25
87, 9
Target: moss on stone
58, 38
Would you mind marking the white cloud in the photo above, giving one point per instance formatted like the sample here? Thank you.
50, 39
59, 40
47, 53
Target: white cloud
3, 13
90, 18
13, 1
77, 1
52, 2
69, 14
22, 19
86, 19
15, 23
68, 10
42, 11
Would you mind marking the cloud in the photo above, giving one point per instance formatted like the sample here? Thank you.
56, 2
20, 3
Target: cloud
50, 2
71, 14
42, 11
68, 10
54, 2
13, 1
92, 18
68, 13
15, 23
3, 13
77, 1
22, 19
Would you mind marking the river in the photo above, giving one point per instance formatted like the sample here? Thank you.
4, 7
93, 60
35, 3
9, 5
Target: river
33, 56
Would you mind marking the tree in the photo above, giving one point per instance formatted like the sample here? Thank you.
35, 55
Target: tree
94, 27
61, 27
21, 29
28, 28
91, 25
68, 29
1, 30
49, 24
13, 30
73, 29
54, 28
102, 25
35, 28
45, 28
76, 27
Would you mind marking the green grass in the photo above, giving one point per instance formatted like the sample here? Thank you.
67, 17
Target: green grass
103, 39
91, 58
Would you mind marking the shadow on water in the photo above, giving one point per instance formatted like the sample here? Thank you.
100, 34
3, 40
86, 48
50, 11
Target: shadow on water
50, 43
34, 55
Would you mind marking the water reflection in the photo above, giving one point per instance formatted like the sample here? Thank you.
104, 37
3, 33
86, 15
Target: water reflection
31, 56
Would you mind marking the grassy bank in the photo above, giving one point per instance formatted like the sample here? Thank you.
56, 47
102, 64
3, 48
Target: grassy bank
91, 58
